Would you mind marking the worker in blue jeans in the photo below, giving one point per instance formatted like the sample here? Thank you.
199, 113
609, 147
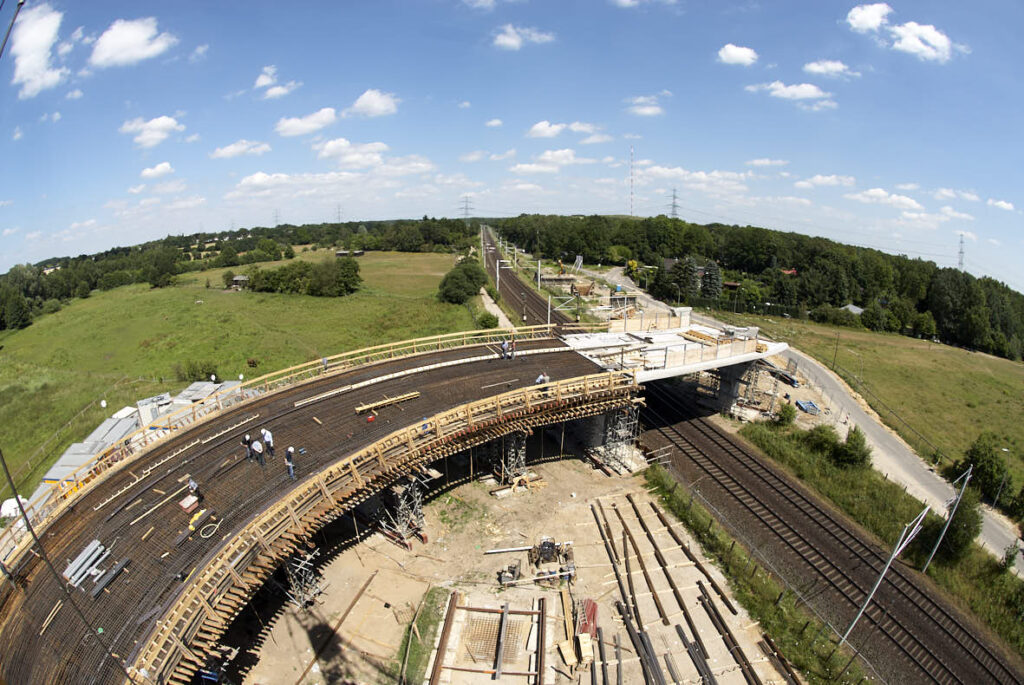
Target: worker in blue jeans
289, 460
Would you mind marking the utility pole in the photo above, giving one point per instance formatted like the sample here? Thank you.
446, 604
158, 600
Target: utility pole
467, 207
835, 355
910, 531
339, 213
966, 476
276, 218
631, 181
675, 205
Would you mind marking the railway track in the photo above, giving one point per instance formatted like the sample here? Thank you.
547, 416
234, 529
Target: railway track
922, 636
530, 307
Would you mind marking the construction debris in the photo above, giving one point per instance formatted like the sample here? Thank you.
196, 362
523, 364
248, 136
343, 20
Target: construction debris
387, 401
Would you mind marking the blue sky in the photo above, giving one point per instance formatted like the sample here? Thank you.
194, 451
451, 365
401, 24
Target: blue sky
894, 126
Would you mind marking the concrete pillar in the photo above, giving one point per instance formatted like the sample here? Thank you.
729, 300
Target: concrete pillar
729, 385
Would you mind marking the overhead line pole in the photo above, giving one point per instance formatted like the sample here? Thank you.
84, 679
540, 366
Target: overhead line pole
966, 476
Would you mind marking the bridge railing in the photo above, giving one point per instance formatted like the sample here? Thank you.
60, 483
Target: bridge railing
52, 502
210, 591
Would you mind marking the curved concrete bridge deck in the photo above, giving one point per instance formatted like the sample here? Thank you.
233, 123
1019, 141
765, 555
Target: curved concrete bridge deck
159, 626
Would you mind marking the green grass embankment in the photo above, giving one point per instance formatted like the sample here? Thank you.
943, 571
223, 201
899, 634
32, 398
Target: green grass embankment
123, 345
947, 394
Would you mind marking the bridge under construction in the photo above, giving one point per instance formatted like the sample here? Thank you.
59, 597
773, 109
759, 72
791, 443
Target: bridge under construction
163, 583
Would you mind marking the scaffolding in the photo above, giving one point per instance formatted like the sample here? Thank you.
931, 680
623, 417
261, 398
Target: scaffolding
618, 452
303, 579
508, 458
401, 516
752, 378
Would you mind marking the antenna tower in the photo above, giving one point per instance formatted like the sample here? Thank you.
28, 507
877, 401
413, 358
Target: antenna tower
631, 177
277, 217
339, 213
960, 261
467, 207
675, 205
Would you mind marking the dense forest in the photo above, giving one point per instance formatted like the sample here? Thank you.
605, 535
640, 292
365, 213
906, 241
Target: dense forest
29, 290
801, 274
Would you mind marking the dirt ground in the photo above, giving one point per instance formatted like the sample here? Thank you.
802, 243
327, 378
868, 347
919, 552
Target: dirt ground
365, 637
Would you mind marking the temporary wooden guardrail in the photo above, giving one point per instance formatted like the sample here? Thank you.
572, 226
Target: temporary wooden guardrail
199, 614
42, 510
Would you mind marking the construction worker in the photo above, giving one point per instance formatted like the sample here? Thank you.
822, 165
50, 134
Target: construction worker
542, 378
193, 489
512, 349
504, 349
257, 451
247, 444
289, 461
268, 441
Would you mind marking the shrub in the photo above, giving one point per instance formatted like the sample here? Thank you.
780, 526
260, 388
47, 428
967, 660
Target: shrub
228, 277
193, 370
487, 320
462, 282
822, 439
855, 451
786, 415
965, 526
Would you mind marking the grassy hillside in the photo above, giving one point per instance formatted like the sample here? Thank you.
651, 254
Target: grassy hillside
122, 345
947, 394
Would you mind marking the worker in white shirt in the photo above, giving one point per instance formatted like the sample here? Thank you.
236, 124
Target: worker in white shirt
257, 451
268, 441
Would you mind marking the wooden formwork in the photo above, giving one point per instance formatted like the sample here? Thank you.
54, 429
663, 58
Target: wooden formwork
190, 627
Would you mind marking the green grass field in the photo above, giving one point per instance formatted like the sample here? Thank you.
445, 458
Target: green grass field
122, 345
947, 394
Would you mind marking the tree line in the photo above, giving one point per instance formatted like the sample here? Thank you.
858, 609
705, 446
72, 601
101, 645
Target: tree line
30, 290
810, 275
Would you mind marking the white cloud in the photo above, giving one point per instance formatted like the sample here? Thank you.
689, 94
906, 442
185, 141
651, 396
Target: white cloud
404, 166
597, 138
153, 132
352, 155
511, 37
480, 4
135, 190
300, 126
193, 138
474, 156
465, 104
645, 106
582, 127
953, 214
74, 94
199, 54
507, 154
865, 18
275, 92
75, 225
17, 133
149, 201
967, 234
923, 40
493, 123
373, 103
534, 169
34, 235
951, 193
240, 147
562, 157
31, 45
765, 161
6, 203
1001, 204
129, 42
821, 180
526, 187
52, 118
715, 183
798, 91
161, 169
993, 241
187, 203
9, 232
267, 77
735, 54
881, 196
907, 186
545, 129
830, 68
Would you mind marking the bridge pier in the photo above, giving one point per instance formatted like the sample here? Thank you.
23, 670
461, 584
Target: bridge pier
720, 387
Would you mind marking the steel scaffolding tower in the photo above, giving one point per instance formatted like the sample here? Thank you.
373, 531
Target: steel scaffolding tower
303, 579
402, 515
508, 458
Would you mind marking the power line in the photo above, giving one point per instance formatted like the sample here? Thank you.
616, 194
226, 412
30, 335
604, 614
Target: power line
467, 207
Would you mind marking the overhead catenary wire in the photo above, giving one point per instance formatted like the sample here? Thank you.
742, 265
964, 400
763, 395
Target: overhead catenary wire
11, 25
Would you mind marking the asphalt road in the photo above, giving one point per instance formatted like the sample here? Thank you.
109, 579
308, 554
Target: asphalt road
893, 457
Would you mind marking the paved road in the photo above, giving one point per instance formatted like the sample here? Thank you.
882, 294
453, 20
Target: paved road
893, 457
